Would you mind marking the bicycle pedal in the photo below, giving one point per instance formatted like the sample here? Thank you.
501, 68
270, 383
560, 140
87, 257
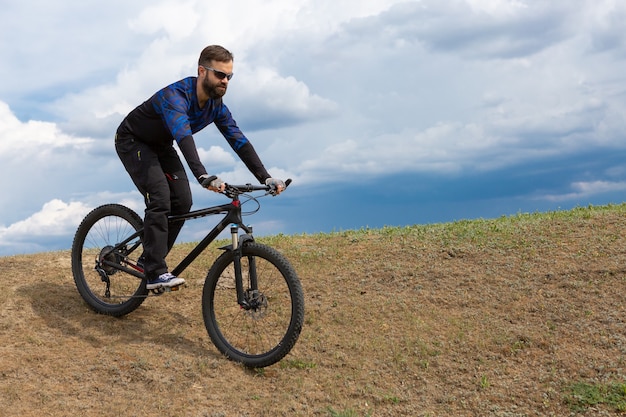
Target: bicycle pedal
175, 288
163, 290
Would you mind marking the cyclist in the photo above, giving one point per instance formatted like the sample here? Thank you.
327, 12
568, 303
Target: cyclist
144, 143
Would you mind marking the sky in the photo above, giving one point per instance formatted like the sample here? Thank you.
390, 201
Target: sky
383, 112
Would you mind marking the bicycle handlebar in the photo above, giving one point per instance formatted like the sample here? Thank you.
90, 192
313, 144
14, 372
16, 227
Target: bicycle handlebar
233, 190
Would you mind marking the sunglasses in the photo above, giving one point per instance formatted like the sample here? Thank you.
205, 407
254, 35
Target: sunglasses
219, 74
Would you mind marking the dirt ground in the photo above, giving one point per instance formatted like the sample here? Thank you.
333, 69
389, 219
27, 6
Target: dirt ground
485, 318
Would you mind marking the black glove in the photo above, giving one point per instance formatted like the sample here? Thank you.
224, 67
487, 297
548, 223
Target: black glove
210, 181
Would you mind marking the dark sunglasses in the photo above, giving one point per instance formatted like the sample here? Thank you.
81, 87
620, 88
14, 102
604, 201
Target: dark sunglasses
219, 74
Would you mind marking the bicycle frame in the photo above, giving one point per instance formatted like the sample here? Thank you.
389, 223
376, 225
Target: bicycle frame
232, 217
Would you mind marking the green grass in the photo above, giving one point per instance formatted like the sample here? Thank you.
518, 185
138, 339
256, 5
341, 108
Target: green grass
344, 413
297, 364
474, 230
582, 395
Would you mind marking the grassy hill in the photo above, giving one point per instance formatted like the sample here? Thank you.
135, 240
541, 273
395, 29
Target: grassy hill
516, 316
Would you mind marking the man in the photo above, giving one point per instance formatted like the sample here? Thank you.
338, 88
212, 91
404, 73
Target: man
144, 143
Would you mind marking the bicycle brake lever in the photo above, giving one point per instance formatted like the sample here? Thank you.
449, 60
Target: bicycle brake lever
229, 191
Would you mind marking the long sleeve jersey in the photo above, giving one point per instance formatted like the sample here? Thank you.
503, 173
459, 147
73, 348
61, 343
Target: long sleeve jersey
173, 114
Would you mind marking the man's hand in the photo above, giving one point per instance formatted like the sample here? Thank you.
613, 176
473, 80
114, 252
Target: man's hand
278, 186
212, 183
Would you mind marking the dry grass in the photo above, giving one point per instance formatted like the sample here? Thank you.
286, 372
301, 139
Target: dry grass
473, 318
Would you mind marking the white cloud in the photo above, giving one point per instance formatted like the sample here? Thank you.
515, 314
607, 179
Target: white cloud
265, 99
50, 48
215, 156
583, 190
52, 220
178, 19
56, 221
32, 140
43, 228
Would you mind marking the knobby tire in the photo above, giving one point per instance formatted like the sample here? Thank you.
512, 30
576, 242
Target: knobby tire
261, 336
106, 226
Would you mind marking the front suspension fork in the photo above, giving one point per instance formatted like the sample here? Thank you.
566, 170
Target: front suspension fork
242, 294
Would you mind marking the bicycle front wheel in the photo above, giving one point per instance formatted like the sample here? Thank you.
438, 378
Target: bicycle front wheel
107, 289
266, 329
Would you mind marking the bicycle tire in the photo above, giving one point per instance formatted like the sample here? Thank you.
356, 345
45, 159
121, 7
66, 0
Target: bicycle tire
103, 227
257, 337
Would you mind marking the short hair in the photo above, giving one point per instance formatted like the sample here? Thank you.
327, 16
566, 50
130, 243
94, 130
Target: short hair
214, 53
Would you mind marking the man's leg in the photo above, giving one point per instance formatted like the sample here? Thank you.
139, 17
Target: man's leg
180, 192
143, 166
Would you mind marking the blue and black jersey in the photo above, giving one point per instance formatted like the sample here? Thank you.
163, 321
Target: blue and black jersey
173, 114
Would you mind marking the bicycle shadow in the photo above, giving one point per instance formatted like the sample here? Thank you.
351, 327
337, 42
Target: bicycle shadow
62, 308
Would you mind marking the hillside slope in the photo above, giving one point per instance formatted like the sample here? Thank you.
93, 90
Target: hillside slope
504, 317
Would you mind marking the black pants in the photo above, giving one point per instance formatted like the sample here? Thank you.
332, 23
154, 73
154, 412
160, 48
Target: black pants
160, 177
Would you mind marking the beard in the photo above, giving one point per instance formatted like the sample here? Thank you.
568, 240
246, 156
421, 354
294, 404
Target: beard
214, 91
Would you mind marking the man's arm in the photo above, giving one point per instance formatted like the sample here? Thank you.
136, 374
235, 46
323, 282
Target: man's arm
188, 147
249, 157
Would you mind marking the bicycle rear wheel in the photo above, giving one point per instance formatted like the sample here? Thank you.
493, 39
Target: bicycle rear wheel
263, 333
101, 230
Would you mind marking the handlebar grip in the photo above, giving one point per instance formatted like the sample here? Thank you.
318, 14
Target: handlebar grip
206, 182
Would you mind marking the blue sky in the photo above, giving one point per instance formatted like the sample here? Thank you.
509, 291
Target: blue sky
383, 112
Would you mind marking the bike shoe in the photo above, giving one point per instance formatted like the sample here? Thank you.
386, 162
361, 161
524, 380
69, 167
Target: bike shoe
164, 281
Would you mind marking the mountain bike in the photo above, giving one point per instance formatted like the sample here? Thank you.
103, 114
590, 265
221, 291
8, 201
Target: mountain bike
252, 299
